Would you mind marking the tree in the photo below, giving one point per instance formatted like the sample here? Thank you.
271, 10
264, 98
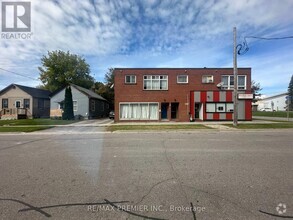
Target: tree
106, 89
60, 68
68, 105
290, 94
255, 89
109, 77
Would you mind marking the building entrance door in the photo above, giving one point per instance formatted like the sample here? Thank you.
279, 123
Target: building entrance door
197, 107
164, 110
174, 110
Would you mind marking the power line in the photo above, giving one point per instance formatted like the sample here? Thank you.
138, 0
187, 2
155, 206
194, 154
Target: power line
18, 74
243, 48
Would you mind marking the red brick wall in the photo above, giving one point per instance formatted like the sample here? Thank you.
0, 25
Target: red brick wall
176, 92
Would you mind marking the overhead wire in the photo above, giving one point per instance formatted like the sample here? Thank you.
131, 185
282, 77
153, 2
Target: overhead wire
19, 74
243, 48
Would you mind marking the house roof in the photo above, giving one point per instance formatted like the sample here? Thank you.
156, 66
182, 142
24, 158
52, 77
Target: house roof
34, 92
275, 96
88, 92
85, 91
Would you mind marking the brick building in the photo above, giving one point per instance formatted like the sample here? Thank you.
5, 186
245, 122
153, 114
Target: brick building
180, 94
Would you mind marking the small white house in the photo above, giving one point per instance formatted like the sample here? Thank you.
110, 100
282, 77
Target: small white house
276, 102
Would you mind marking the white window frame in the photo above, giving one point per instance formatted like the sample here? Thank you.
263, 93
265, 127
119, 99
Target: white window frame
218, 105
19, 103
182, 76
229, 87
157, 77
130, 77
74, 105
245, 82
138, 103
214, 107
207, 79
229, 107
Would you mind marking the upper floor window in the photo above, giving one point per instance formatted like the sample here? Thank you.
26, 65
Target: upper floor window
182, 79
130, 79
207, 79
241, 82
228, 82
155, 82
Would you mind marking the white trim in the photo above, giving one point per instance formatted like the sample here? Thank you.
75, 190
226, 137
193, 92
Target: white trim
229, 87
135, 119
76, 105
245, 82
130, 78
202, 77
182, 82
19, 103
167, 78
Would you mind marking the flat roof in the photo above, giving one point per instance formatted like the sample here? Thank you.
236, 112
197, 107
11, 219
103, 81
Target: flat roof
181, 68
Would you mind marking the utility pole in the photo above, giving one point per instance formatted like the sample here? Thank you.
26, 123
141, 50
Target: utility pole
235, 102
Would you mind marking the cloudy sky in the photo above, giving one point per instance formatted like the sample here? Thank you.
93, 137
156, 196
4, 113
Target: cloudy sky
153, 33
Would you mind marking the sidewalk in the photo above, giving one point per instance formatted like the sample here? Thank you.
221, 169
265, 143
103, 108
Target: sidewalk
207, 123
272, 118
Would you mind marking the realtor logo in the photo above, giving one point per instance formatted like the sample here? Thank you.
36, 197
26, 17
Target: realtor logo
16, 16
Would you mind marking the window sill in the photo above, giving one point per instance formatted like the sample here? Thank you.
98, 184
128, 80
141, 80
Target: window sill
155, 89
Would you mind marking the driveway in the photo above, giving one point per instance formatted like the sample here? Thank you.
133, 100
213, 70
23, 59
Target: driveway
85, 126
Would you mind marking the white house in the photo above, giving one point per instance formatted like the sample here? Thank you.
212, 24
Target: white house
276, 102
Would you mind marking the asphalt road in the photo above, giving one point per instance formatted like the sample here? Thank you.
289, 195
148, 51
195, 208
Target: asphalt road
222, 175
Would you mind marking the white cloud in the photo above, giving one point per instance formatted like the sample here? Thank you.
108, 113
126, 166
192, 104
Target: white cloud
152, 33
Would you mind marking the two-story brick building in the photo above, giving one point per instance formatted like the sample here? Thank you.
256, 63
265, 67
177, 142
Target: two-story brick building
180, 94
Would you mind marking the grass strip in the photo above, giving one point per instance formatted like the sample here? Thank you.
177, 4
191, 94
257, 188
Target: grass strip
23, 129
280, 114
36, 122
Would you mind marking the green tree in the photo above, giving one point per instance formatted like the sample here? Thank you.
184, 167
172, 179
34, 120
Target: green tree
68, 105
255, 89
290, 94
107, 89
109, 77
60, 68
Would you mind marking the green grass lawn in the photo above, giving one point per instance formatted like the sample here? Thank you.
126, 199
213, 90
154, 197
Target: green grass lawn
273, 114
23, 129
35, 122
263, 126
153, 127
